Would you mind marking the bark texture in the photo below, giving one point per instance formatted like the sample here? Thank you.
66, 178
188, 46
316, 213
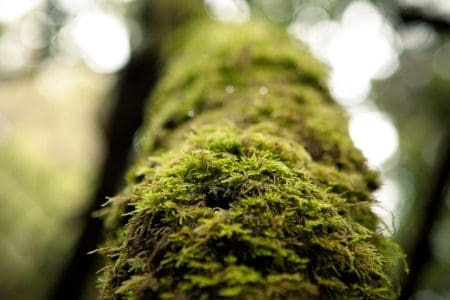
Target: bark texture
247, 185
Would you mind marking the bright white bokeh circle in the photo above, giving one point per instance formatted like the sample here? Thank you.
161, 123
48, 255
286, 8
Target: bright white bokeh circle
375, 135
233, 11
103, 40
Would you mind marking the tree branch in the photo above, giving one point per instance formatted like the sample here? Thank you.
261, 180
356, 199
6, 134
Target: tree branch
420, 252
411, 15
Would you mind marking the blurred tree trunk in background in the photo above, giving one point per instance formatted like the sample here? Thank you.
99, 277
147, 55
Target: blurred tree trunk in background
156, 19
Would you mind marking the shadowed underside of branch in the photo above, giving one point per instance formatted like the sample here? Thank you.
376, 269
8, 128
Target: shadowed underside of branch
247, 185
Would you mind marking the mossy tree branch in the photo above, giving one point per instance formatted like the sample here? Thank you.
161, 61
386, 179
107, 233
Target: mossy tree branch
247, 185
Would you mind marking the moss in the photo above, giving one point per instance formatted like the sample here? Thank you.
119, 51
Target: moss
247, 185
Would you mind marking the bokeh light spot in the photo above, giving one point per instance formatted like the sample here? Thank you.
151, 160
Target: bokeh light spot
375, 135
359, 48
10, 10
233, 11
388, 197
417, 36
103, 39
75, 6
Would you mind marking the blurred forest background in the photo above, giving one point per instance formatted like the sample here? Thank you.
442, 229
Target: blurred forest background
67, 67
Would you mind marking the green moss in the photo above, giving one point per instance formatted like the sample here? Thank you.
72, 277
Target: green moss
247, 185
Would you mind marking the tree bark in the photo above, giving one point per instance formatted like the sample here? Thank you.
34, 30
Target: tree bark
246, 185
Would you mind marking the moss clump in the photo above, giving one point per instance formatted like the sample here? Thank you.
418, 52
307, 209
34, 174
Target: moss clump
247, 185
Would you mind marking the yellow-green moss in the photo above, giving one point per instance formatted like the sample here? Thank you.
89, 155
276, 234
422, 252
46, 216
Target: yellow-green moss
247, 185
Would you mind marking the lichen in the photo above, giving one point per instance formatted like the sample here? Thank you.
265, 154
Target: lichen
246, 185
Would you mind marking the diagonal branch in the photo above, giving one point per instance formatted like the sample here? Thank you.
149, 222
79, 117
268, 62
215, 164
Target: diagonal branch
411, 15
420, 252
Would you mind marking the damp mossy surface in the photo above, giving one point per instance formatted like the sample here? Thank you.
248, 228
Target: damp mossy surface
246, 184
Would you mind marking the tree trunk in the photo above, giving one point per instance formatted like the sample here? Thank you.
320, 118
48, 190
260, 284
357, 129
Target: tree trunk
246, 183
